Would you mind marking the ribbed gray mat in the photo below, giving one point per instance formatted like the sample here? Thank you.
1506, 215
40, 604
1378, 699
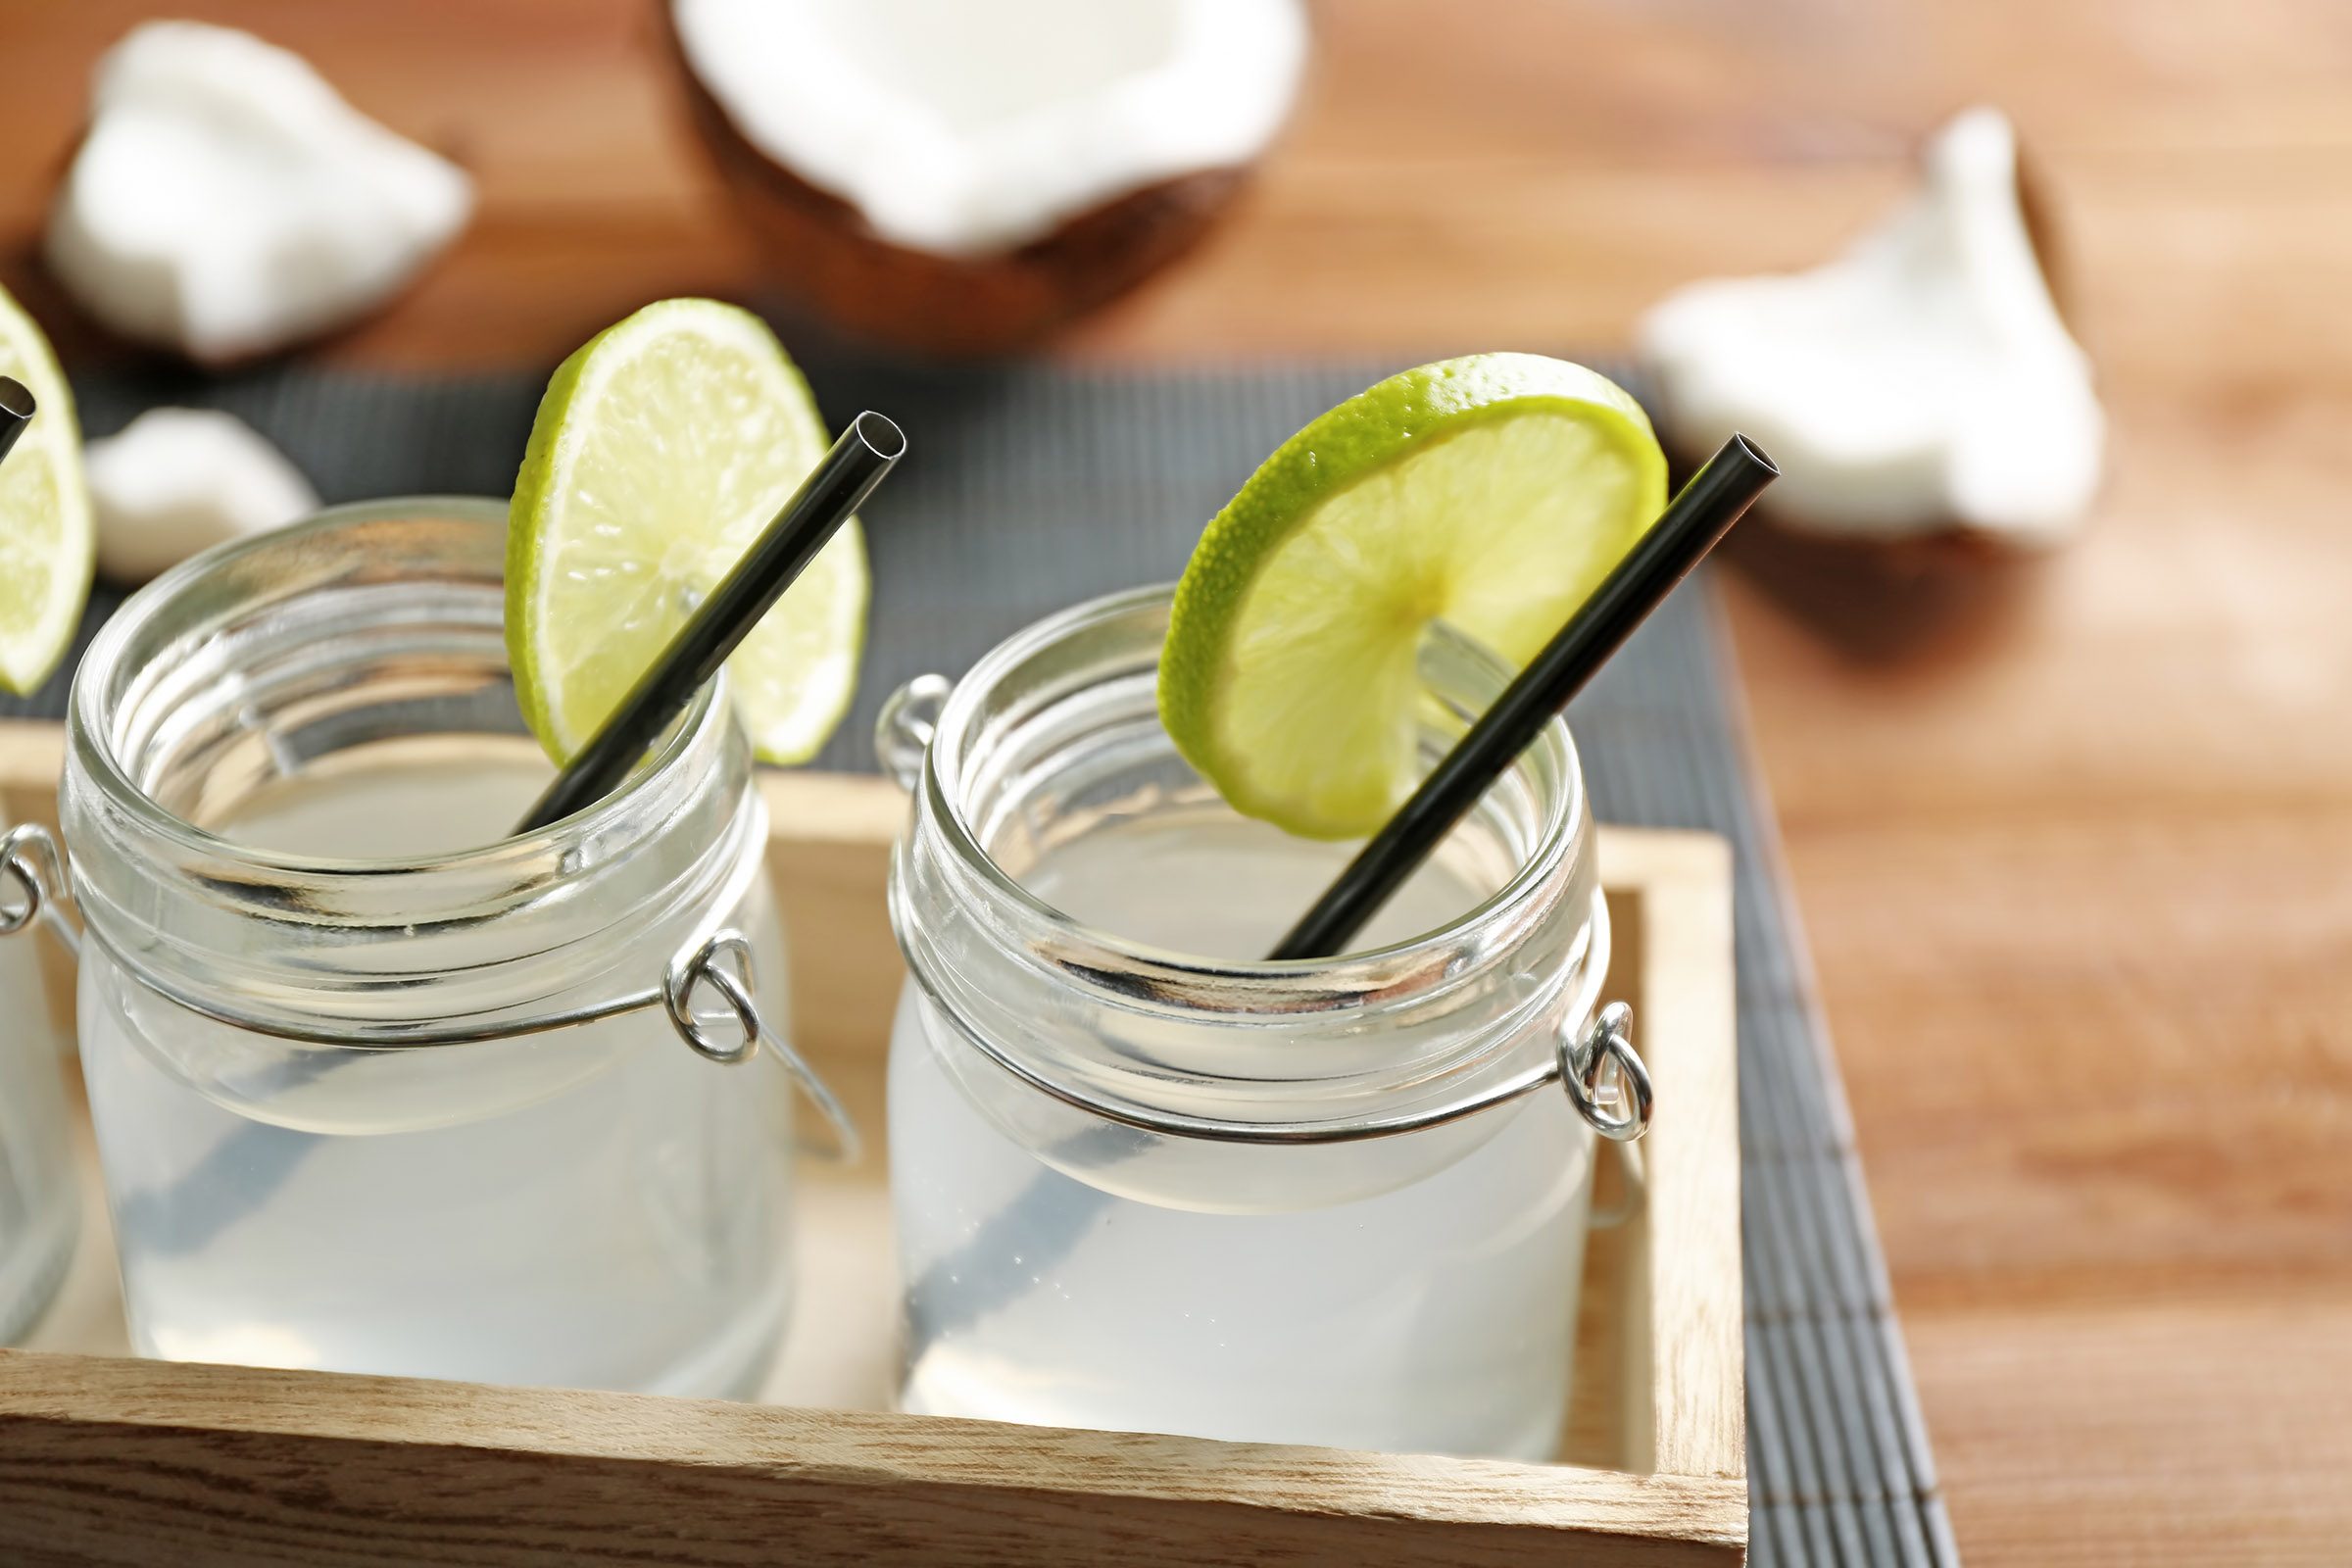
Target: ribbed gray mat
1027, 488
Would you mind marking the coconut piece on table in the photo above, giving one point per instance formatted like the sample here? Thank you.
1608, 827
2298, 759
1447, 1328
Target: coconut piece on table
968, 176
227, 203
176, 481
1923, 383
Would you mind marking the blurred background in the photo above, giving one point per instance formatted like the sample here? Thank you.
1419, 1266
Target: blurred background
2069, 826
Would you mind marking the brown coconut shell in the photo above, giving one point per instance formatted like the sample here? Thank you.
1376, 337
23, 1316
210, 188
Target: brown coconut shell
76, 333
825, 253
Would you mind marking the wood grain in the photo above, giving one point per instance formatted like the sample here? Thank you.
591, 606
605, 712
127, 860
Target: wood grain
233, 1465
2070, 842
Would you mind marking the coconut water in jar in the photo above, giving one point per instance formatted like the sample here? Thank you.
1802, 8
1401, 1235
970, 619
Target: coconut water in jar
1144, 1181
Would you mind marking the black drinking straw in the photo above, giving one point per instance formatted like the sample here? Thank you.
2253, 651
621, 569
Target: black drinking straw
1692, 523
16, 413
859, 461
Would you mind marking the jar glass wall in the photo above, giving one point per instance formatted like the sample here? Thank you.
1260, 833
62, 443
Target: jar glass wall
363, 1098
41, 1212
1143, 1181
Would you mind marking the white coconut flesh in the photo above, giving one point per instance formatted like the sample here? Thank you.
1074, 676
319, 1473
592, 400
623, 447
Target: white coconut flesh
227, 201
966, 129
174, 481
1921, 381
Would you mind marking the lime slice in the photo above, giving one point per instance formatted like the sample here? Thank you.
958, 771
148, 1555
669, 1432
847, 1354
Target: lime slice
46, 537
1492, 492
660, 451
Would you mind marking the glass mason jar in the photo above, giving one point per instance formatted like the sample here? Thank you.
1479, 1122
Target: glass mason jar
1143, 1181
379, 1088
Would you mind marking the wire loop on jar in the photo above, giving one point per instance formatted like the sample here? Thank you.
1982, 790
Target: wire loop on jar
1602, 1072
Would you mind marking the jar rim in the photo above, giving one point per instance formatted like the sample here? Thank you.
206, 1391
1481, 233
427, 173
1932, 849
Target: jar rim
1412, 1034
92, 738
1508, 908
341, 950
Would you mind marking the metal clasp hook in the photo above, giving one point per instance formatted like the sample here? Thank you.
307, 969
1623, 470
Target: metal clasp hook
30, 858
722, 961
1603, 1072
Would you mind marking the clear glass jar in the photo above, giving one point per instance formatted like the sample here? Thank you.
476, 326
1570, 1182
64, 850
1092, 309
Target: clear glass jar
1145, 1182
377, 1087
41, 1212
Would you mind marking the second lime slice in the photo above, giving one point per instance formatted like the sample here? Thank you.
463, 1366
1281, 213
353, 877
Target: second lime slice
1494, 492
661, 449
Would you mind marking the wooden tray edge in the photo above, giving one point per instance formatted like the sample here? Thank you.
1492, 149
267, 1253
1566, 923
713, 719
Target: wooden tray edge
100, 1449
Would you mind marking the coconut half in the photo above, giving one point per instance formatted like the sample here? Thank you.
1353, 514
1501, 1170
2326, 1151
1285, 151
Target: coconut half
969, 176
1923, 383
227, 203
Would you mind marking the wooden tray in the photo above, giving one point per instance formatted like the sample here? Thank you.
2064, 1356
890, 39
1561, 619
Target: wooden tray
108, 1459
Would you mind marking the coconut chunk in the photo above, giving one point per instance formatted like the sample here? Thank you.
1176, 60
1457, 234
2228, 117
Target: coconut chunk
1920, 383
176, 481
964, 130
226, 202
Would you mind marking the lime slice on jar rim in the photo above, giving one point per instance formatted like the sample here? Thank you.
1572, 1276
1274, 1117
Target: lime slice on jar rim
1494, 492
661, 449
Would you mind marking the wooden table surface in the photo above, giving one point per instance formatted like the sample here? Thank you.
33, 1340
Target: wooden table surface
2073, 842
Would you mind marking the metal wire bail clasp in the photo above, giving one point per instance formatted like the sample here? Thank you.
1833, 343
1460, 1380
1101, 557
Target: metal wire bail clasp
722, 961
32, 863
904, 728
1604, 1077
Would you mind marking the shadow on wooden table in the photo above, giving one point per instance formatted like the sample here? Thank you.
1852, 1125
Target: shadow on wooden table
1883, 602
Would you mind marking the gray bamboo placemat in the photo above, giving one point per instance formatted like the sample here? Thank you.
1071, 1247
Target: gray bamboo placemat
1029, 487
